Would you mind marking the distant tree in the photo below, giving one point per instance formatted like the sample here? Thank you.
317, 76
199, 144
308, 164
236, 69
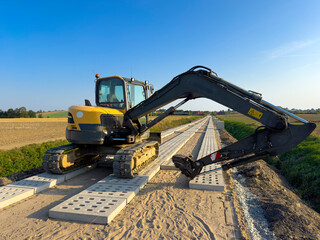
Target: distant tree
11, 113
31, 114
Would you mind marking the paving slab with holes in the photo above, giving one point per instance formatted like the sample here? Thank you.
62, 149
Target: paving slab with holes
211, 180
89, 209
10, 195
22, 189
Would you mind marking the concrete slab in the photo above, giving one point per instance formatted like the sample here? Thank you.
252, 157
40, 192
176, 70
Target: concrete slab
10, 195
89, 209
212, 167
36, 185
169, 165
79, 171
39, 182
150, 171
54, 178
136, 181
208, 181
112, 190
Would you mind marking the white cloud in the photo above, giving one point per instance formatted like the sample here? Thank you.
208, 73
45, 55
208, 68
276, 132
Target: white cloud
286, 50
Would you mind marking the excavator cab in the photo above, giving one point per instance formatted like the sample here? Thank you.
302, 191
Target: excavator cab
110, 93
103, 123
120, 93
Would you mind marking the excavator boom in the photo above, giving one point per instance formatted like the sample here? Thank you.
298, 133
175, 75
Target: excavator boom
275, 137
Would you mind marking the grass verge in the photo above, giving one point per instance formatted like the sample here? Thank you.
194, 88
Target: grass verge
300, 165
25, 158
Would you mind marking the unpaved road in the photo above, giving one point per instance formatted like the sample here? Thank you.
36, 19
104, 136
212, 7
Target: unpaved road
165, 209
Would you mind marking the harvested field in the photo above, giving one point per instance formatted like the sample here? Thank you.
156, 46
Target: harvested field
17, 132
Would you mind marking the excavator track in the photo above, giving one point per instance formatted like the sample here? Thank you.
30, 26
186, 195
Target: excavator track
130, 159
57, 160
127, 161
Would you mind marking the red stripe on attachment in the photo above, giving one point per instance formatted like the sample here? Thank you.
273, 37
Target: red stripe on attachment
215, 156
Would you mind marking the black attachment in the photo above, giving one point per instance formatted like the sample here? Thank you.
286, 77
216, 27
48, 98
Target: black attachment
187, 166
242, 161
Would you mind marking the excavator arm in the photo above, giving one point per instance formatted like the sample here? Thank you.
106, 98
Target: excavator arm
275, 137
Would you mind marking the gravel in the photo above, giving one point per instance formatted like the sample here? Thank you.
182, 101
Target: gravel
253, 213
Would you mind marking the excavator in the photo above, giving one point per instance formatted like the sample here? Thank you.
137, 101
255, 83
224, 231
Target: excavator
118, 126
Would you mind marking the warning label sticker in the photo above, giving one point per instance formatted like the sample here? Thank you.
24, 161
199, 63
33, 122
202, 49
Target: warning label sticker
255, 113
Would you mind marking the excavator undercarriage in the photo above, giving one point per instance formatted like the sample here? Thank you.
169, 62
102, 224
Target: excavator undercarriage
127, 160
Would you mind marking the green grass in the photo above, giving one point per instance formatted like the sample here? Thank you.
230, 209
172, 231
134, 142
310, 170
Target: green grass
238, 130
25, 158
54, 114
300, 165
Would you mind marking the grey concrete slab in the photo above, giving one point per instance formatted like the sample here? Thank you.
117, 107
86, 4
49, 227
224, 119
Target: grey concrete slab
212, 167
112, 190
89, 209
136, 181
54, 178
24, 188
79, 171
150, 171
36, 185
208, 181
10, 194
168, 166
39, 182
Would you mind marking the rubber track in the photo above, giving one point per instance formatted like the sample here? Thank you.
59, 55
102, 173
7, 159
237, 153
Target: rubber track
124, 158
52, 156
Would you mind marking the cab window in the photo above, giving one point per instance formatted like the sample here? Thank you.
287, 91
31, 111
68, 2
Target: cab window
136, 94
111, 93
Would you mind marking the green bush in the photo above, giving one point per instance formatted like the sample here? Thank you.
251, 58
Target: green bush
25, 158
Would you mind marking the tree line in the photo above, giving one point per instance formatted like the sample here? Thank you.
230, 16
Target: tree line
17, 113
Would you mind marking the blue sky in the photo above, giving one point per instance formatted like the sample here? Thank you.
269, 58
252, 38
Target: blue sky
51, 50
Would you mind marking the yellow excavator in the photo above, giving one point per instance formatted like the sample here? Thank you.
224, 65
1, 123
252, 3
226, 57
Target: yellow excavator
119, 124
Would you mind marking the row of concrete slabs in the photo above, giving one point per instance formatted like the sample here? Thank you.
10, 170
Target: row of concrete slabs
101, 202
